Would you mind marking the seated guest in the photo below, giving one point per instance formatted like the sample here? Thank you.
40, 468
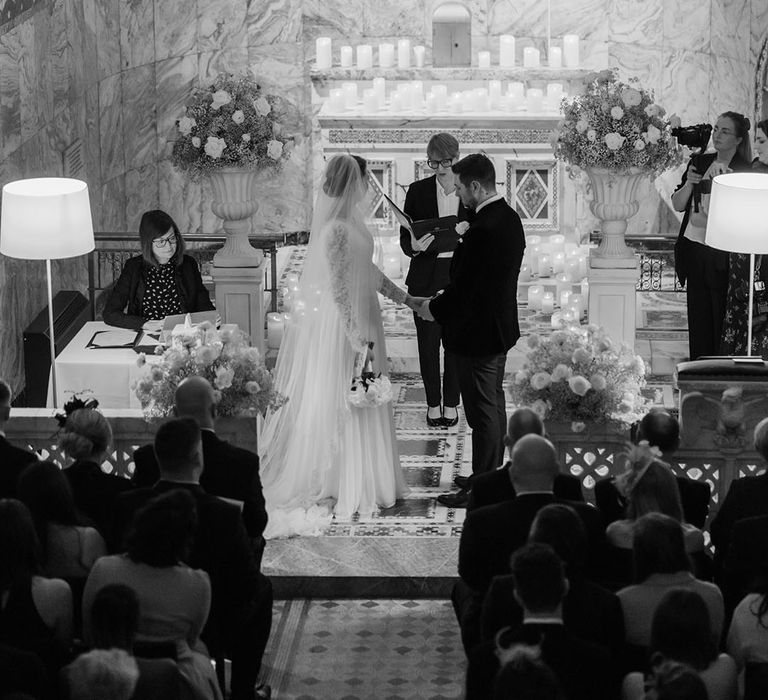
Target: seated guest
228, 471
660, 564
35, 612
745, 569
114, 624
496, 486
86, 438
174, 600
681, 631
12, 459
23, 675
526, 676
589, 611
659, 429
69, 549
490, 534
649, 487
241, 606
160, 282
540, 586
102, 673
747, 639
670, 680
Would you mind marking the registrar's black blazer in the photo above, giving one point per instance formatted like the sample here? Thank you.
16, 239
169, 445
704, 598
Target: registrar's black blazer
123, 307
478, 309
427, 274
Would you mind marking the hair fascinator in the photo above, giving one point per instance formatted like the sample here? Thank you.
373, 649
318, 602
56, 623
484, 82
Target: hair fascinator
639, 457
74, 404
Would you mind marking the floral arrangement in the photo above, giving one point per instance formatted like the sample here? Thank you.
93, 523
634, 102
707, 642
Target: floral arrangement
230, 123
617, 126
578, 374
242, 384
370, 390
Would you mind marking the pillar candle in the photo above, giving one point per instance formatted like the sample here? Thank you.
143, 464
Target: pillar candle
564, 284
336, 102
534, 100
570, 316
571, 50
456, 103
386, 55
441, 96
545, 265
548, 303
494, 93
582, 266
525, 273
507, 51
565, 298
404, 53
364, 56
555, 57
533, 255
532, 241
555, 91
380, 88
557, 241
275, 327
578, 301
571, 249
558, 261
350, 95
535, 294
370, 101
323, 52
347, 57
291, 279
484, 59
430, 104
530, 57
419, 52
572, 268
516, 90
557, 320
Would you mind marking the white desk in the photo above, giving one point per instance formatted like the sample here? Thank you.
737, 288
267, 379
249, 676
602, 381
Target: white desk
107, 374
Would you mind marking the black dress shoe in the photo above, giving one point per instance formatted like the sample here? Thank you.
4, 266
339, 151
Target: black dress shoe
454, 500
461, 481
434, 422
450, 422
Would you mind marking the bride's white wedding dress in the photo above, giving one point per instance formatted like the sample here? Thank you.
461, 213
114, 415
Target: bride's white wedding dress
317, 453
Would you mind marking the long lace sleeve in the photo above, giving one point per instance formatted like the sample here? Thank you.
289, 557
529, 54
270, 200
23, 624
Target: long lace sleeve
337, 252
387, 287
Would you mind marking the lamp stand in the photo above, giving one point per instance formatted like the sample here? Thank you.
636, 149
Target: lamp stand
50, 332
751, 300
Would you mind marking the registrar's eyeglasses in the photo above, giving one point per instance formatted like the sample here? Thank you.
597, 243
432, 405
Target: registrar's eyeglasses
445, 162
164, 242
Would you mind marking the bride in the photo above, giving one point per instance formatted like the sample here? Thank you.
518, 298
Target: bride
316, 450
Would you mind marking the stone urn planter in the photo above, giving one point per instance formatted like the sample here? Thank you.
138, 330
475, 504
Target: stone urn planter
614, 202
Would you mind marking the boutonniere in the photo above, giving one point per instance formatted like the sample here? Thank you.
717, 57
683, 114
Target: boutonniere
461, 228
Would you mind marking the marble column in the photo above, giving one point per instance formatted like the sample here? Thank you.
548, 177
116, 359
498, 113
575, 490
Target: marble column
612, 303
239, 295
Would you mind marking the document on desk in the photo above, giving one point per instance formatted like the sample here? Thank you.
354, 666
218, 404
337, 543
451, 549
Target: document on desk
114, 338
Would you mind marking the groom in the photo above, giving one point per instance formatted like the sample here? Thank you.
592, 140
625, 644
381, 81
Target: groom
478, 311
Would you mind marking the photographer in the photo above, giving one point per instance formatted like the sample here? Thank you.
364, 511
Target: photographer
704, 270
735, 323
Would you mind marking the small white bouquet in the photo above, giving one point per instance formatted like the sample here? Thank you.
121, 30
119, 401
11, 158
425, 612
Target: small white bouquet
369, 389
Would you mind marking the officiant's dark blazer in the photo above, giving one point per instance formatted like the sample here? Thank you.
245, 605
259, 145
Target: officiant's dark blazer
13, 460
427, 274
228, 471
478, 308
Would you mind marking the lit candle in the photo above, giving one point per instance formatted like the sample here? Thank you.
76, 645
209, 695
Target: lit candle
323, 53
532, 240
456, 103
572, 268
494, 93
582, 266
564, 284
525, 273
570, 316
577, 301
554, 91
557, 320
350, 95
484, 59
548, 303
430, 104
534, 99
441, 97
558, 261
336, 100
275, 327
571, 50
565, 298
380, 88
571, 249
392, 266
386, 55
555, 57
557, 241
507, 51
370, 101
291, 280
545, 265
516, 91
364, 56
419, 52
535, 294
347, 57
404, 53
530, 57
533, 254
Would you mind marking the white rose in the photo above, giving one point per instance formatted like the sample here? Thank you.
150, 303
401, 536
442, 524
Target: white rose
631, 97
262, 106
582, 125
561, 372
579, 385
196, 141
462, 227
639, 144
617, 112
540, 380
238, 117
598, 382
214, 147
274, 150
653, 134
220, 98
540, 408
224, 377
246, 137
614, 141
674, 121
592, 135
653, 110
185, 125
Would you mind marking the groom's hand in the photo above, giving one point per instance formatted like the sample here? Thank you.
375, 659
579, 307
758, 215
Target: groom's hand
419, 245
424, 312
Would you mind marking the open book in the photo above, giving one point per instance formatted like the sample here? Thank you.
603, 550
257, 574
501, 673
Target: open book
443, 228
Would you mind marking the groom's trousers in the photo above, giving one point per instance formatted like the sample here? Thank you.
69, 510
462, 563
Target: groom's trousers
482, 396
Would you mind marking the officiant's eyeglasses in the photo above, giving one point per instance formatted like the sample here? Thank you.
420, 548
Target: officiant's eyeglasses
435, 164
164, 242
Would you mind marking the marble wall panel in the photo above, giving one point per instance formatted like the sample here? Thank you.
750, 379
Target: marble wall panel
10, 97
32, 157
342, 20
587, 18
211, 63
108, 37
691, 69
43, 50
274, 22
140, 130
112, 193
142, 193
730, 26
175, 28
180, 197
111, 128
221, 25
137, 30
686, 25
62, 130
29, 103
87, 118
175, 79
638, 61
636, 22
731, 86
396, 17
79, 57
60, 53
758, 28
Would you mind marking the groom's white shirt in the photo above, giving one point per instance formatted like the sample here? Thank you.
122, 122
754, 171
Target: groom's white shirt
493, 198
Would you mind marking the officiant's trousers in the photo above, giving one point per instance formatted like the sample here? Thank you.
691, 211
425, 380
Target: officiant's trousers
482, 396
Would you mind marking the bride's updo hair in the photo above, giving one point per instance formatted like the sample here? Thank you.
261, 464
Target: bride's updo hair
341, 170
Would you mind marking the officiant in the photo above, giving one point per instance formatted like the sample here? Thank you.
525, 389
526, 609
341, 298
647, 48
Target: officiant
160, 282
428, 273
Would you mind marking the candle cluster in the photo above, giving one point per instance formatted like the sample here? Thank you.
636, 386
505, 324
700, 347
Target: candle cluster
553, 269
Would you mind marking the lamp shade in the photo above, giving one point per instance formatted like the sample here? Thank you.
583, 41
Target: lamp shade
738, 213
46, 218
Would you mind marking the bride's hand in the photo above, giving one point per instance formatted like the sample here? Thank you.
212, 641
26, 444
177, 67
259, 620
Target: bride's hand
414, 303
369, 356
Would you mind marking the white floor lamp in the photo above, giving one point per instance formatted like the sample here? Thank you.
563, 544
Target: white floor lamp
46, 218
738, 222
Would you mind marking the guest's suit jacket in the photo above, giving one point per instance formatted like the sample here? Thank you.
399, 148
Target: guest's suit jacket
221, 546
495, 487
491, 534
228, 471
13, 460
478, 309
427, 274
746, 561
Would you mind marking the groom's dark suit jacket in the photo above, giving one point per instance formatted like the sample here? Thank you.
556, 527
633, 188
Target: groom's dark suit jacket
478, 309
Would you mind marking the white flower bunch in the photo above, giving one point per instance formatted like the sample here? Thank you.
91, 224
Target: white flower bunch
369, 390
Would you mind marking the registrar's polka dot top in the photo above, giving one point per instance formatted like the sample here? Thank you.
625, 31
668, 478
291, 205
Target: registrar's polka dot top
161, 297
